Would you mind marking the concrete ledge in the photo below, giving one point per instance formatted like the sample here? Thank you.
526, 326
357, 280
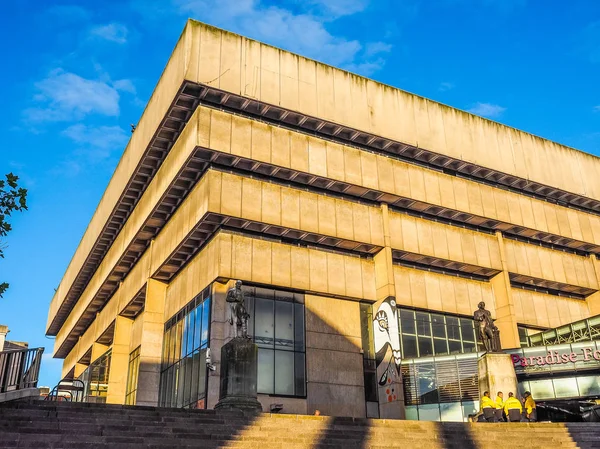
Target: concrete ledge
19, 394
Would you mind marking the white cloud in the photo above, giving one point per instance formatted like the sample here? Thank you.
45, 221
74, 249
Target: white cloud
487, 110
596, 108
64, 96
102, 139
374, 48
338, 8
445, 86
301, 30
114, 32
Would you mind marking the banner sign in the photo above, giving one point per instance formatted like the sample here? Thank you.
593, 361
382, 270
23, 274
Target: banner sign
556, 358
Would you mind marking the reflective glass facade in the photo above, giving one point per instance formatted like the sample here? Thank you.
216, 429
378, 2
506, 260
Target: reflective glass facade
95, 379
276, 325
444, 388
424, 334
183, 373
132, 376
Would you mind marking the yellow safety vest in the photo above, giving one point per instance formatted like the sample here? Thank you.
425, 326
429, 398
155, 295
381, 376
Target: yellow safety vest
486, 402
529, 404
512, 403
499, 402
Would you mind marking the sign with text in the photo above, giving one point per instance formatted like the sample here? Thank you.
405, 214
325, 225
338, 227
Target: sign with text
589, 354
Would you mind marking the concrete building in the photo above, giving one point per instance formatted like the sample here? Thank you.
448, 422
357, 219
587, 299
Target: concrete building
366, 224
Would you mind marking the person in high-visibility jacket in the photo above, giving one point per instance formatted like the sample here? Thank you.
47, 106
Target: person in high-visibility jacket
488, 407
499, 406
530, 412
513, 408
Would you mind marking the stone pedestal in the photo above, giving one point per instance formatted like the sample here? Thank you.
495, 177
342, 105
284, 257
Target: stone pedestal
238, 376
497, 373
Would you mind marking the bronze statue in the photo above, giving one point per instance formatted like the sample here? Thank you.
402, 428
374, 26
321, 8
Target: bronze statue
488, 332
237, 310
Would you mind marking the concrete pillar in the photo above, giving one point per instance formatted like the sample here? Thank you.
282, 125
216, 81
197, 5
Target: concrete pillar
3, 331
119, 362
496, 373
387, 341
153, 324
593, 300
506, 318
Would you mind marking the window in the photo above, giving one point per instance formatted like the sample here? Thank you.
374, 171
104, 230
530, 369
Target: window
424, 334
95, 379
276, 325
132, 377
523, 336
183, 370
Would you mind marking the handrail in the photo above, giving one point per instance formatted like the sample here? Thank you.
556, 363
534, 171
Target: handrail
67, 390
20, 368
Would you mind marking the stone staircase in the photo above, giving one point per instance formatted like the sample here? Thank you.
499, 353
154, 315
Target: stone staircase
41, 424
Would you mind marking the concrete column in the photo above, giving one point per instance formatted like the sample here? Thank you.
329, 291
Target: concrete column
3, 332
220, 334
387, 341
506, 318
593, 301
117, 376
496, 373
153, 324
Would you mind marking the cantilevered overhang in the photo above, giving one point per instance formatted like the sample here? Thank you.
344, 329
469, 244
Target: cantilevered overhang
178, 94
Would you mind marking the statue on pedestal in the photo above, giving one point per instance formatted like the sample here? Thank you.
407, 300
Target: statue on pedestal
237, 310
239, 359
488, 332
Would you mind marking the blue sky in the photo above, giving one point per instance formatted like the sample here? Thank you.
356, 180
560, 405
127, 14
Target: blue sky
77, 74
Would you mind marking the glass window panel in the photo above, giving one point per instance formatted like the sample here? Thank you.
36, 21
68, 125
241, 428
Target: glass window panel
198, 326
263, 326
438, 327
440, 346
469, 408
429, 412
187, 389
195, 374
299, 327
172, 344
178, 385
184, 337
202, 375
412, 413
284, 373
407, 321
426, 383
468, 332
205, 322
451, 411
565, 388
299, 374
541, 389
454, 347
409, 346
249, 301
284, 325
178, 332
266, 368
425, 347
423, 324
469, 346
191, 331
453, 328
588, 385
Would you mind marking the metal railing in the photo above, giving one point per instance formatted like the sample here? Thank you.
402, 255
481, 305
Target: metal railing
67, 390
20, 369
